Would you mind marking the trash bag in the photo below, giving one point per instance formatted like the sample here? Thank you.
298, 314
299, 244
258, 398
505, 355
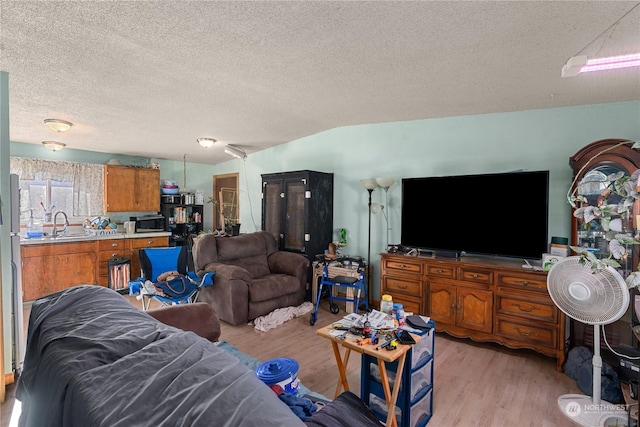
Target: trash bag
576, 358
579, 367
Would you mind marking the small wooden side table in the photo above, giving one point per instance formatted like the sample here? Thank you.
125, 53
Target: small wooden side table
382, 356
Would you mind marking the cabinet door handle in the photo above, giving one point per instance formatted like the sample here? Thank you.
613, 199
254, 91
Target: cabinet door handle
525, 333
527, 309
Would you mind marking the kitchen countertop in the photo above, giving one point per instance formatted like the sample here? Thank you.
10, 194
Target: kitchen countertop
78, 237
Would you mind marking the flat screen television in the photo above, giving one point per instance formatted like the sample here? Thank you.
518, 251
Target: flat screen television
501, 214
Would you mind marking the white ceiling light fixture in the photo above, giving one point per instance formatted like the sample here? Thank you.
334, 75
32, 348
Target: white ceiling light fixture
58, 125
206, 142
581, 64
235, 152
54, 145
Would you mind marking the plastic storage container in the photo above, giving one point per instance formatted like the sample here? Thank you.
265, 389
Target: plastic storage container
398, 313
386, 305
282, 372
34, 230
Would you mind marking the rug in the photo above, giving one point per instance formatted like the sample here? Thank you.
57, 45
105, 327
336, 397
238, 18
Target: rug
280, 315
253, 363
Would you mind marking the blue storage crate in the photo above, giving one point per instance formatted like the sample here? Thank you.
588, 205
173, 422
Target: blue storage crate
414, 405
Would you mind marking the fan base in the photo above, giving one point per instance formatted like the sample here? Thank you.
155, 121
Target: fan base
583, 411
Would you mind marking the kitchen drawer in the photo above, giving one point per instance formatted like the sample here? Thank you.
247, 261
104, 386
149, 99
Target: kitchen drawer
527, 333
528, 281
476, 275
405, 265
111, 244
437, 270
402, 285
149, 242
518, 306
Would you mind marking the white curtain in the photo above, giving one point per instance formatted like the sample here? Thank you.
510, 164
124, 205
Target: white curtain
85, 177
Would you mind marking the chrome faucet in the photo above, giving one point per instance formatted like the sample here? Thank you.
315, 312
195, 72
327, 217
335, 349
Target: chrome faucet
55, 232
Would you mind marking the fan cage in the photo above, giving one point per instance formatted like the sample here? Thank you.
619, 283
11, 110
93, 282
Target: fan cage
591, 298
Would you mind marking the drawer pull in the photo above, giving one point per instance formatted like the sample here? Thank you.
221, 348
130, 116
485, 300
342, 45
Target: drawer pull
402, 286
113, 255
475, 276
528, 309
524, 283
525, 333
439, 271
113, 245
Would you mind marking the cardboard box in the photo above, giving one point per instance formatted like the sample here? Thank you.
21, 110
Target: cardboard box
559, 250
549, 259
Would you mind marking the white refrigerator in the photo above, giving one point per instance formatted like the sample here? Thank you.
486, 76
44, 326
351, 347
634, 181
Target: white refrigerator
17, 315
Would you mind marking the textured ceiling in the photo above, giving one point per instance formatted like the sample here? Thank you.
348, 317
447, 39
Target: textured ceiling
148, 78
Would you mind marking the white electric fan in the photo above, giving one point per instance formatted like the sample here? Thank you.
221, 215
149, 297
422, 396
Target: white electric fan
595, 299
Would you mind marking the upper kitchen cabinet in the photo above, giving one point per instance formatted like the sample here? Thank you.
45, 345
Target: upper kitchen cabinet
297, 208
131, 189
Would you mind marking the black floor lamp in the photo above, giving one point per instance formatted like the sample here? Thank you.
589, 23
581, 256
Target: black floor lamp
370, 185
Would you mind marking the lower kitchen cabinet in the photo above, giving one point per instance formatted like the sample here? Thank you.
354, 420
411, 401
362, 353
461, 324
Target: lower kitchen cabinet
134, 246
53, 267
108, 250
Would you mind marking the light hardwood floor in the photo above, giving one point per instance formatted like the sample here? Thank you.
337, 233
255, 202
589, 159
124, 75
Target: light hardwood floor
475, 384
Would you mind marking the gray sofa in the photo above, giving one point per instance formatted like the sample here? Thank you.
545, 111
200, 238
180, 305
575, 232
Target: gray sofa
93, 359
252, 278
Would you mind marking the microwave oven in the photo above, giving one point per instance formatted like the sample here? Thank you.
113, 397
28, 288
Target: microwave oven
149, 223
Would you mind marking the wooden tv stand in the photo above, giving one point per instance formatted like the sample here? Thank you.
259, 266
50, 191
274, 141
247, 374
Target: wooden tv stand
482, 298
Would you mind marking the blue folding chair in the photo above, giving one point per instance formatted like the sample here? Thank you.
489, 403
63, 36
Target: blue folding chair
156, 261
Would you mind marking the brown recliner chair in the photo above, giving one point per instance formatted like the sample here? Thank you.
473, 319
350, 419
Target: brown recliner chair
252, 278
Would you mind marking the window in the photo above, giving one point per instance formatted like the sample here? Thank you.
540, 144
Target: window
45, 185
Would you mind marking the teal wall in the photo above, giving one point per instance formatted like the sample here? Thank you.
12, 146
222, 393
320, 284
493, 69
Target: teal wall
527, 140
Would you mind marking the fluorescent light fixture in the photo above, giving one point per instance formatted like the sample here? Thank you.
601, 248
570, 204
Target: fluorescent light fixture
54, 145
235, 152
580, 64
206, 142
58, 125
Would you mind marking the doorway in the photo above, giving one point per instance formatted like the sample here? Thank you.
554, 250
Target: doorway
225, 190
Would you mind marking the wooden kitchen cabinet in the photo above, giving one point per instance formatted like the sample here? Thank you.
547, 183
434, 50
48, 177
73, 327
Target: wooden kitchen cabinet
131, 189
482, 298
53, 267
107, 250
